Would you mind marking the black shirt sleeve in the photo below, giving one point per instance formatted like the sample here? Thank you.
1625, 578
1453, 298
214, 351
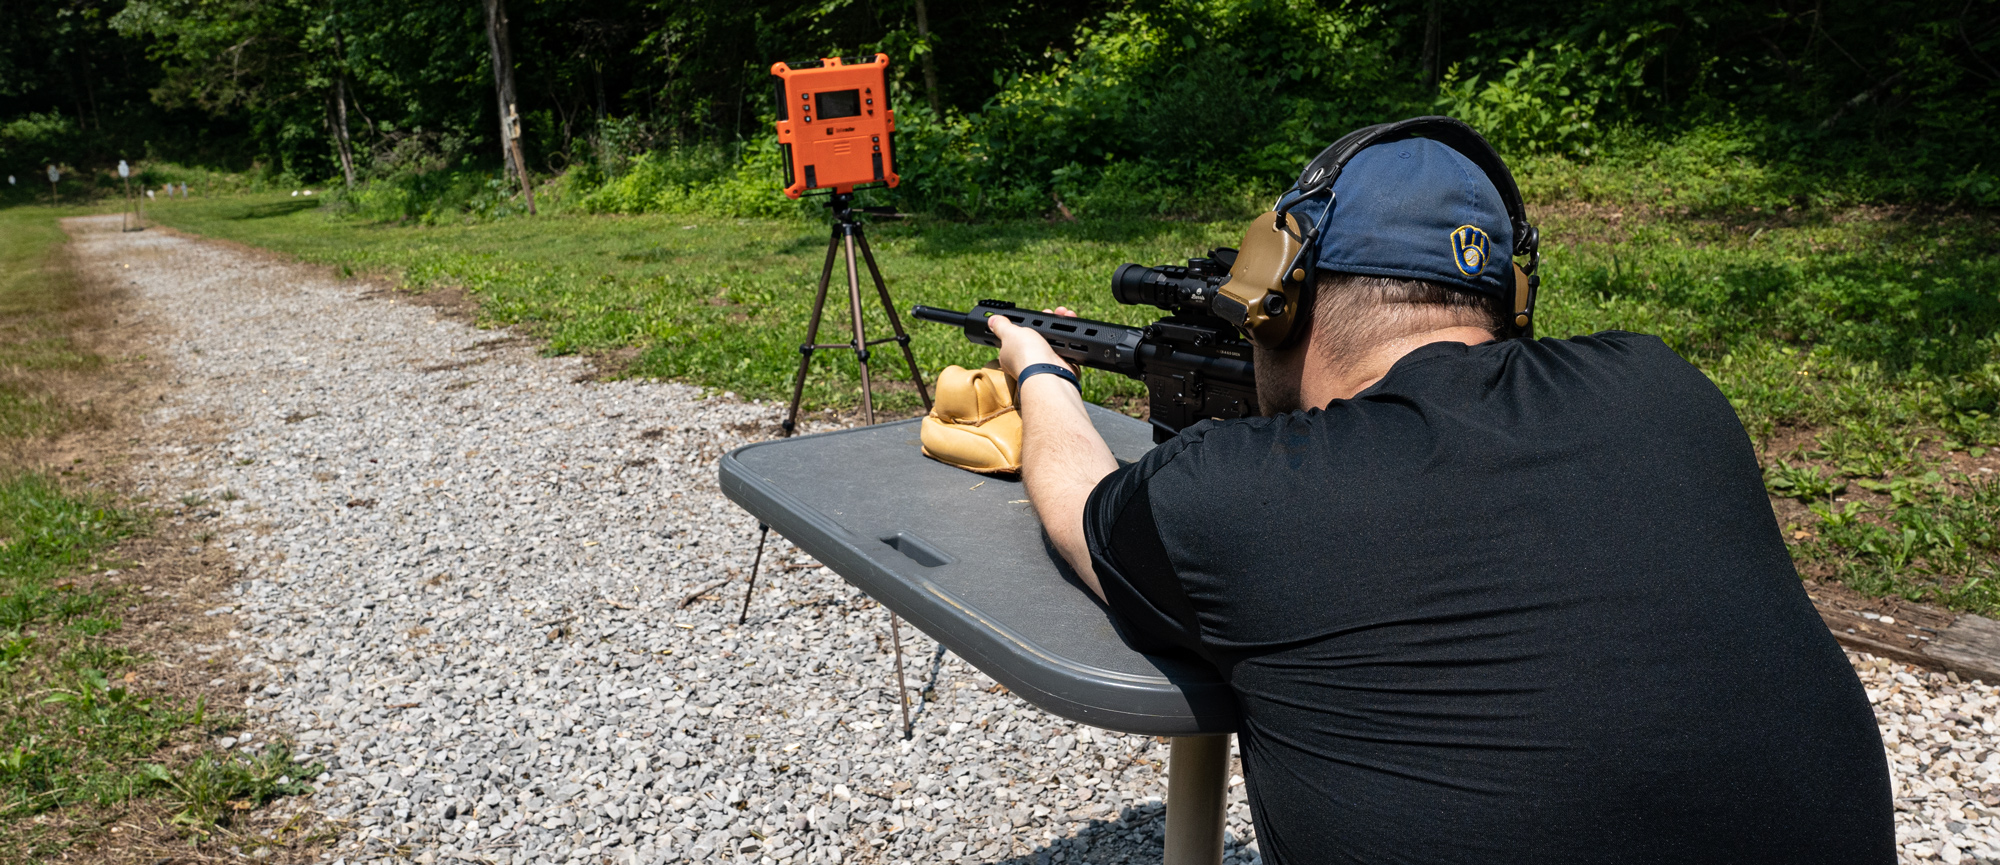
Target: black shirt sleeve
1131, 563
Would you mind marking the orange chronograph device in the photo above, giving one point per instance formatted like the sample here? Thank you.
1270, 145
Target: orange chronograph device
834, 124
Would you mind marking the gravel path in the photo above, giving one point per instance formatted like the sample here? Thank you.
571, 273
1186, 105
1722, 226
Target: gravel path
1944, 755
463, 577
463, 570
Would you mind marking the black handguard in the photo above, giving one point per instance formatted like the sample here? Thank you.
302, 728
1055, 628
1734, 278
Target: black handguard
1194, 367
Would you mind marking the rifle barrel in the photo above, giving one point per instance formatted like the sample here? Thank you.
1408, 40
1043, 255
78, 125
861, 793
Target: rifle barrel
941, 316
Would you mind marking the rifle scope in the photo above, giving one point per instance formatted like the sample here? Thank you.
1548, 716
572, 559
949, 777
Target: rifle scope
1173, 287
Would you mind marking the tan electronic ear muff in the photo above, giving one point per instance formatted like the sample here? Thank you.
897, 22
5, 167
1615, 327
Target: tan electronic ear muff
1267, 284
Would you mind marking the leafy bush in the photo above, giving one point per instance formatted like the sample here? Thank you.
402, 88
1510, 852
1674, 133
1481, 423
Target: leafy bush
433, 197
699, 179
1548, 99
1160, 108
1164, 110
35, 140
1205, 108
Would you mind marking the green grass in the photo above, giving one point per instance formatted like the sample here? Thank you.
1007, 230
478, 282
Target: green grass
724, 302
38, 304
1860, 345
78, 730
74, 728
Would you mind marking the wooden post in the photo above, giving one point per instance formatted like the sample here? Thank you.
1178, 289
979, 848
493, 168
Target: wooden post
520, 158
503, 87
930, 65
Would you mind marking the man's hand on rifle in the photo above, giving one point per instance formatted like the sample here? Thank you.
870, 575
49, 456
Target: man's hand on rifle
1062, 456
1022, 347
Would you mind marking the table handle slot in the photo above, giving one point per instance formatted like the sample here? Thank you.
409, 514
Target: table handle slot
917, 549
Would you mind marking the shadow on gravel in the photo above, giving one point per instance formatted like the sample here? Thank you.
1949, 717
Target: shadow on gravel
1135, 836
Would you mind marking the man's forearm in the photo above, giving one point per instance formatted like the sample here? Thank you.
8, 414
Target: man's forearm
1062, 459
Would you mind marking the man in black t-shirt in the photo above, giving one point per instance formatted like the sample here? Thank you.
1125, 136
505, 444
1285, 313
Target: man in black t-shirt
1480, 601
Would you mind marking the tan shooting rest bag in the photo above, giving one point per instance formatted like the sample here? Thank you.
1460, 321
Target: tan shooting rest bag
975, 423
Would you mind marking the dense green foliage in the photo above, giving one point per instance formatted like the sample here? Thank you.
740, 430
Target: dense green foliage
1113, 106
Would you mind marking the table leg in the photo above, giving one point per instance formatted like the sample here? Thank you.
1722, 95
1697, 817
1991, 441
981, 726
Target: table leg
1197, 788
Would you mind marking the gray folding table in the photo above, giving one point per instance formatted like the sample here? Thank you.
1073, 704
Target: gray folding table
963, 557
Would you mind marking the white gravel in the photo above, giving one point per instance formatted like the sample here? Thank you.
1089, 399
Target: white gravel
1944, 758
462, 573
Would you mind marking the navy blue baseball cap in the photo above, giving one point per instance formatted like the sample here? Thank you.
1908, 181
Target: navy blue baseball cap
1415, 209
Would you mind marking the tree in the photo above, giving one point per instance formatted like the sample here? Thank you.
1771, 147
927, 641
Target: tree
503, 87
338, 114
930, 57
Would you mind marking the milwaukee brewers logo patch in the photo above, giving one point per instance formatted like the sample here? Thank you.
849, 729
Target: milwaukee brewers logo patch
1468, 249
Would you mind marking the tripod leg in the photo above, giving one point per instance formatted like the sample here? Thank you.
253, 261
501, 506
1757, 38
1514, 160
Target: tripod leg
860, 334
895, 321
812, 333
763, 534
902, 690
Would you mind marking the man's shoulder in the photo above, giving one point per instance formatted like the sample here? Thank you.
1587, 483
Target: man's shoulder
1213, 448
1622, 366
1603, 348
1608, 345
1207, 440
1613, 363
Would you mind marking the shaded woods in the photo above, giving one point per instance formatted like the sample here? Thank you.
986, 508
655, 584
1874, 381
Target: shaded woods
1157, 106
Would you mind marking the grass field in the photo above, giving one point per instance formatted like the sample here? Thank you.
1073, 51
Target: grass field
79, 733
1860, 345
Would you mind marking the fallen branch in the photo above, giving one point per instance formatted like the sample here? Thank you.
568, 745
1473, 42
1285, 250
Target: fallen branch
697, 593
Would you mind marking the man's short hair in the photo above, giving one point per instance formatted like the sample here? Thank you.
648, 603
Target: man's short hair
1353, 314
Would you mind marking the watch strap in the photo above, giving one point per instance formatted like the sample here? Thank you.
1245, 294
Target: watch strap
1062, 372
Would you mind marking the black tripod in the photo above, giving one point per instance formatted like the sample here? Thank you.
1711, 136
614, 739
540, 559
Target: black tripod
847, 232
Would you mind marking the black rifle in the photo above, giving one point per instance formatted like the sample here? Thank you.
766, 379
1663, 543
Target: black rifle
1195, 366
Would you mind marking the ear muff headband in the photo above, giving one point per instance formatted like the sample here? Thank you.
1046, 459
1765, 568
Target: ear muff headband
1266, 308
